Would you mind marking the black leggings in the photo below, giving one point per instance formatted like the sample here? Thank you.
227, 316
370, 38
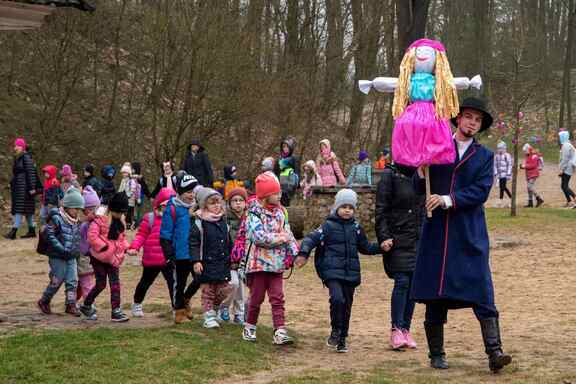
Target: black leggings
565, 185
149, 274
504, 188
182, 294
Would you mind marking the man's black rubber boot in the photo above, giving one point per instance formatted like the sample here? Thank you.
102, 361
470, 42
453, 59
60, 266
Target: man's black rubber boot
435, 338
493, 345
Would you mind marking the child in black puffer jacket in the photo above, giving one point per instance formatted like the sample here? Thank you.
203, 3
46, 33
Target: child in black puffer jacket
337, 244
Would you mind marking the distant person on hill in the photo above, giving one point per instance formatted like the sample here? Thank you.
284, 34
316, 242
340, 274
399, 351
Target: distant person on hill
197, 163
328, 166
567, 165
383, 159
361, 173
91, 180
503, 169
531, 166
108, 188
310, 178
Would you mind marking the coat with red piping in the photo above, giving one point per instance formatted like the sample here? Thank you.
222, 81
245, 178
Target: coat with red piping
452, 263
102, 248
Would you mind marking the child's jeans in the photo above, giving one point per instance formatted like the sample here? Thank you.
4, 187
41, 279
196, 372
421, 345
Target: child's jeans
261, 283
85, 285
44, 209
402, 307
213, 294
18, 220
341, 299
149, 274
61, 271
102, 271
235, 300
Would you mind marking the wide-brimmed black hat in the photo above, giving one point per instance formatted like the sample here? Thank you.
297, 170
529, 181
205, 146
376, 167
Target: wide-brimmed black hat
479, 105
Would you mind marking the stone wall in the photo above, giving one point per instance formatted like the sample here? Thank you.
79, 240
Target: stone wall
314, 210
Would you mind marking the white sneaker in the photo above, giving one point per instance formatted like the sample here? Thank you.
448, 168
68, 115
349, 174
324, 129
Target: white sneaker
249, 332
210, 320
281, 337
137, 310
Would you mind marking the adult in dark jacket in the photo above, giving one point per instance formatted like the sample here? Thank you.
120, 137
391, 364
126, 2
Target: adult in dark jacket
198, 164
399, 216
167, 180
452, 266
108, 188
24, 186
210, 247
337, 244
91, 180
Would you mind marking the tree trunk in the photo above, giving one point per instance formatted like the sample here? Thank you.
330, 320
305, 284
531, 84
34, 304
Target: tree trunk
411, 21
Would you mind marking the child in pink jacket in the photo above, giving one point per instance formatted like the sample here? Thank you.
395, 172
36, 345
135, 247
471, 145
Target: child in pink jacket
153, 261
328, 166
108, 245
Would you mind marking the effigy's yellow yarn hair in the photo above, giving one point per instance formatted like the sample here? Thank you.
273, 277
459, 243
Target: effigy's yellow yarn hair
402, 91
445, 95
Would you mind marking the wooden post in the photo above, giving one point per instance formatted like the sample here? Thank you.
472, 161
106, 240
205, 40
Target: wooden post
426, 169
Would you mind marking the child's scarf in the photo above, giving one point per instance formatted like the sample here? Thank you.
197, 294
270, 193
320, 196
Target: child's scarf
212, 217
67, 218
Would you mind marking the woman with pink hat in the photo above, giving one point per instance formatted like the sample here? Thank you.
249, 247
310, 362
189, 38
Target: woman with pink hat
23, 187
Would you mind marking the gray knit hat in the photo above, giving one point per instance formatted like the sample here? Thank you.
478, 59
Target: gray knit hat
343, 197
204, 194
73, 199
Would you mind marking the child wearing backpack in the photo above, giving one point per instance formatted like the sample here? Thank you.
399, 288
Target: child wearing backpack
337, 244
153, 261
62, 236
51, 192
235, 214
210, 247
174, 234
85, 271
107, 239
270, 249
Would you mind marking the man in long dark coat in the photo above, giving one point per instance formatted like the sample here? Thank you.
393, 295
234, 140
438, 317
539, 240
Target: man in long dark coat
197, 164
452, 267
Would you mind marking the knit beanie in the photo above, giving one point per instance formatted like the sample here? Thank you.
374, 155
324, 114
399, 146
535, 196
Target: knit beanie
362, 155
118, 203
268, 164
89, 168
564, 136
501, 145
73, 199
66, 170
204, 194
163, 196
239, 191
108, 172
91, 199
345, 197
186, 183
267, 184
20, 142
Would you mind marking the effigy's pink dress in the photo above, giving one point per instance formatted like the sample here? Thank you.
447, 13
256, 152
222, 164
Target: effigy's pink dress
419, 138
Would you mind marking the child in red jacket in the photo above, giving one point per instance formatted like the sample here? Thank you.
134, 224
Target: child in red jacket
108, 245
531, 165
153, 261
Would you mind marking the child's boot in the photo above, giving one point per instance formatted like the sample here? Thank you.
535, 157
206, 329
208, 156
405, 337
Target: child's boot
249, 332
89, 311
210, 320
332, 340
397, 339
530, 204
12, 234
71, 309
118, 316
31, 233
188, 310
44, 307
342, 347
180, 316
281, 337
539, 201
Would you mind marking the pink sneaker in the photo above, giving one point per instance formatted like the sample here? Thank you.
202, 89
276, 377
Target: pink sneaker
397, 339
410, 343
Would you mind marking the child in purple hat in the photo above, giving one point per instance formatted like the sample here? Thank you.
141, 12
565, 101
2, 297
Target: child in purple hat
361, 173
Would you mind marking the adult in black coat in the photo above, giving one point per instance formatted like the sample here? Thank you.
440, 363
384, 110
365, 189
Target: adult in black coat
91, 180
24, 186
197, 164
399, 217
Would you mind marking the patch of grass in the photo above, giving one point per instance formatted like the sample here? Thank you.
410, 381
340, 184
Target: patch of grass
501, 219
188, 354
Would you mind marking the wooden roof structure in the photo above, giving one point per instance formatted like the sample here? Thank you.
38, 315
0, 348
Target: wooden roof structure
18, 15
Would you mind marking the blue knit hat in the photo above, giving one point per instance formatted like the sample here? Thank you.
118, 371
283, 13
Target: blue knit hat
362, 155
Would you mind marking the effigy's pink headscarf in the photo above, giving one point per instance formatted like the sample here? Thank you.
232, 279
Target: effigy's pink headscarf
427, 43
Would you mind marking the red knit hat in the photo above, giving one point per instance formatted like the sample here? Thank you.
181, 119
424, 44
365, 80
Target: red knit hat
267, 184
238, 191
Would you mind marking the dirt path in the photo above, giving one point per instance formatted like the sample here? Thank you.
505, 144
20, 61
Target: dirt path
534, 284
